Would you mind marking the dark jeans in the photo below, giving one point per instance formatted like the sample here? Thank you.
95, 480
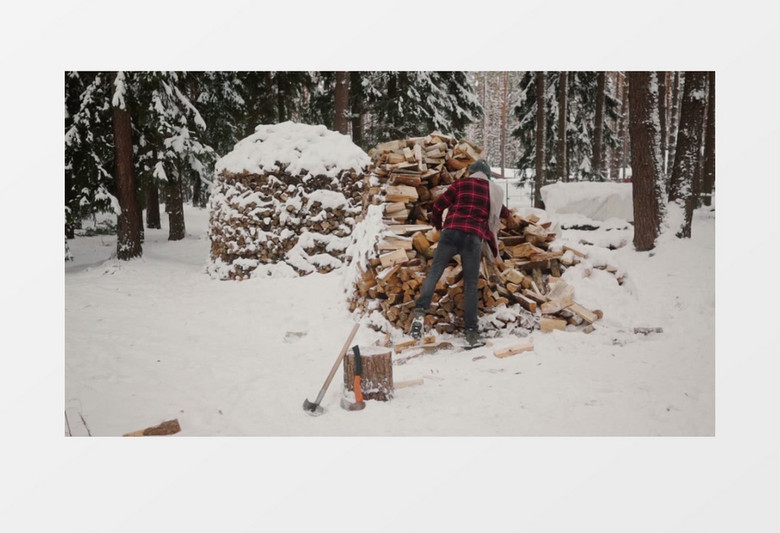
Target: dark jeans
469, 246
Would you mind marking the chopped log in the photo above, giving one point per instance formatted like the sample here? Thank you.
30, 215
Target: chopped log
394, 243
513, 350
401, 179
527, 303
403, 229
390, 146
394, 207
393, 258
421, 244
587, 315
376, 381
546, 264
525, 249
168, 427
513, 276
535, 296
401, 193
560, 297
394, 159
547, 324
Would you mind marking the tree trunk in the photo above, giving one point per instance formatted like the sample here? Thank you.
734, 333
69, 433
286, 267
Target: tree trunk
623, 140
341, 107
708, 179
598, 130
662, 117
541, 159
504, 97
486, 111
128, 243
139, 215
688, 149
560, 147
648, 185
196, 191
616, 155
153, 207
175, 207
358, 113
674, 116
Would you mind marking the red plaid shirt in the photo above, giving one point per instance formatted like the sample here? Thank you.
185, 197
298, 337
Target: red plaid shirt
468, 201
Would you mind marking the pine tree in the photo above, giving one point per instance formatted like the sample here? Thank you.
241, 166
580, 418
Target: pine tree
173, 155
412, 104
89, 149
580, 122
560, 151
688, 150
598, 129
674, 118
708, 184
541, 148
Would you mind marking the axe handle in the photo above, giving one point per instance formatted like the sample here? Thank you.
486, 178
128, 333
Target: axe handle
342, 353
358, 372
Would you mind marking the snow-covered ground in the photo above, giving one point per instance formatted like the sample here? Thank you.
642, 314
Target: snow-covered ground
156, 338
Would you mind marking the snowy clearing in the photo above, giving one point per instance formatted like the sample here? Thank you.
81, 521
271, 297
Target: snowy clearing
156, 338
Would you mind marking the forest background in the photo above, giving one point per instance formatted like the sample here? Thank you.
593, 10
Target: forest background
308, 478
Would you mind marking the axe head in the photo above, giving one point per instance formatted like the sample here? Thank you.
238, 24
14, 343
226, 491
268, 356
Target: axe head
313, 409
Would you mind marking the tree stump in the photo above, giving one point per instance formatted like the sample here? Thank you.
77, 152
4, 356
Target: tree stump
377, 378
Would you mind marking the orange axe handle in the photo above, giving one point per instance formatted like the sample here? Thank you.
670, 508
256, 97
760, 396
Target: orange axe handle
358, 372
358, 390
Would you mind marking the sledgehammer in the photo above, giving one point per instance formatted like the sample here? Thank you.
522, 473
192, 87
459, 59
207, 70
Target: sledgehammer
314, 408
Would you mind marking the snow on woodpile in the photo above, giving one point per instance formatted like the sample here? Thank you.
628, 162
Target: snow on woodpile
594, 200
284, 202
393, 247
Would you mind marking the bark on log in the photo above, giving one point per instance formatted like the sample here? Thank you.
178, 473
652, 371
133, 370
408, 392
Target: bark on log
376, 381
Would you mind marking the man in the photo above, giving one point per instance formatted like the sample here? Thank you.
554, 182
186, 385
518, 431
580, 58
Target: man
475, 205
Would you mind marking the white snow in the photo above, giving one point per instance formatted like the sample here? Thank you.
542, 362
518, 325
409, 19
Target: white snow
315, 149
595, 200
156, 338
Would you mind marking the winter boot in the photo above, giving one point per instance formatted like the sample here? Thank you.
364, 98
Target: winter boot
417, 323
473, 339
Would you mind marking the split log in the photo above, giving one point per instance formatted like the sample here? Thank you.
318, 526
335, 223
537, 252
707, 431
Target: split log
588, 316
548, 324
376, 381
393, 258
513, 350
408, 383
168, 427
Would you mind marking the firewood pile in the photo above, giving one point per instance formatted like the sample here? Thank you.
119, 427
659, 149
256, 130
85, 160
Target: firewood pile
285, 202
523, 288
275, 216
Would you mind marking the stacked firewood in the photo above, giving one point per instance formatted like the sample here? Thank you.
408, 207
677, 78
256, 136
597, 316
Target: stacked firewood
521, 288
272, 217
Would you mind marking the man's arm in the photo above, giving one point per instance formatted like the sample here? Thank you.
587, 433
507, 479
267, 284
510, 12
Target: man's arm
443, 202
509, 218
